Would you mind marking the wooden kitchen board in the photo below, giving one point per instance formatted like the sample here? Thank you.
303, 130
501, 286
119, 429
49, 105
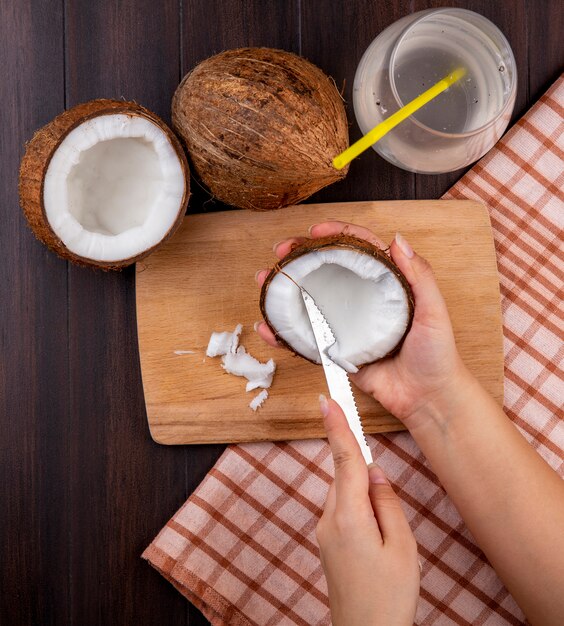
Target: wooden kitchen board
203, 280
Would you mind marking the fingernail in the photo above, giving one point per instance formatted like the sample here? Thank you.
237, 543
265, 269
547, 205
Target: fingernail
324, 405
257, 275
256, 325
275, 246
376, 476
311, 228
404, 246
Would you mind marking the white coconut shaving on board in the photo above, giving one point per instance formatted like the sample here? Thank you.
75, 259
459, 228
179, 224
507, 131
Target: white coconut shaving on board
224, 342
258, 400
238, 362
181, 352
241, 363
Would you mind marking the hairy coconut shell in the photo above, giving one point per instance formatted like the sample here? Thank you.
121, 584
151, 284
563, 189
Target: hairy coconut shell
336, 241
41, 148
261, 127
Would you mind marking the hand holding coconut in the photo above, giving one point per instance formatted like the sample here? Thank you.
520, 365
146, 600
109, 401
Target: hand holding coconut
498, 483
428, 361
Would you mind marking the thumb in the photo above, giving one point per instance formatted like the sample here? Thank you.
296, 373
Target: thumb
419, 274
350, 467
386, 505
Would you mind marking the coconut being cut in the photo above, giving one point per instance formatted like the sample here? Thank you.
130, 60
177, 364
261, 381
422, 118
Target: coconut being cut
104, 183
361, 292
261, 126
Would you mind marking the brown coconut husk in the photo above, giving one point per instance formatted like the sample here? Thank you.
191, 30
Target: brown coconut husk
38, 154
336, 241
261, 127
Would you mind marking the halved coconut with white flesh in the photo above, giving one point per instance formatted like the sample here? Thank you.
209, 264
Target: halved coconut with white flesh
361, 292
104, 183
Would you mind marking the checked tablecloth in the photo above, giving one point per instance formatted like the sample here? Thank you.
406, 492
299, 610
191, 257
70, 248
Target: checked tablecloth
243, 547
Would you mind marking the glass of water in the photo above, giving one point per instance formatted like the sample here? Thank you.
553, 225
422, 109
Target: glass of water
461, 124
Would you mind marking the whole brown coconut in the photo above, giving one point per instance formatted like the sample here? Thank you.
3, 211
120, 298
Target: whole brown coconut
261, 126
357, 286
104, 183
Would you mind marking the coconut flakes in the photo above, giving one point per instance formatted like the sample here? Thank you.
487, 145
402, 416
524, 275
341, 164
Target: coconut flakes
238, 362
258, 400
224, 343
241, 363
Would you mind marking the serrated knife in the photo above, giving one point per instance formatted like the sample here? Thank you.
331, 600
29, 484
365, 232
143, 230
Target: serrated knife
337, 378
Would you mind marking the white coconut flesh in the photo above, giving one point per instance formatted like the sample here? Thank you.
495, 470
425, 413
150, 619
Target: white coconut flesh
237, 361
113, 187
362, 299
258, 400
221, 343
241, 363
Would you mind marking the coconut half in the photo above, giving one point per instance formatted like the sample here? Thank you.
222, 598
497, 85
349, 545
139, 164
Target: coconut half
104, 183
365, 298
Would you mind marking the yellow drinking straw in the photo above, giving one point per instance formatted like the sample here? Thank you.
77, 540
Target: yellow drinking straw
386, 126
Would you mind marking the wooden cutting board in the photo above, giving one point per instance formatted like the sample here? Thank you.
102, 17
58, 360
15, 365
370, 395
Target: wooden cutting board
202, 280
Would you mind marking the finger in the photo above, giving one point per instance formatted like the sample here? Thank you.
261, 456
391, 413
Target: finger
351, 477
283, 248
387, 508
429, 301
366, 376
335, 228
266, 334
260, 277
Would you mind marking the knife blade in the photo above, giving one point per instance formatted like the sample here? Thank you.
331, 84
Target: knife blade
337, 378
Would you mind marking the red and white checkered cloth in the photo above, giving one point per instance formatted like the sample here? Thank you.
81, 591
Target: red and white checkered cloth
243, 547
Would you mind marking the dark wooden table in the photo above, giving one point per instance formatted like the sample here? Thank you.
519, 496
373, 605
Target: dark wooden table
83, 488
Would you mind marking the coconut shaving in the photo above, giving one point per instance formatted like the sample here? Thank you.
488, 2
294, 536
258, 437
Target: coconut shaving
238, 362
222, 343
258, 400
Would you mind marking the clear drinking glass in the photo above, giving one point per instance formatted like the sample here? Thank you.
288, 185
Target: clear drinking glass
461, 124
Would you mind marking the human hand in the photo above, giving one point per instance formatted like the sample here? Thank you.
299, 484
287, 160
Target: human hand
428, 367
367, 549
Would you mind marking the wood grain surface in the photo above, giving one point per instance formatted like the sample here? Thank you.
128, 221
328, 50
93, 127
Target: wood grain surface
83, 487
202, 280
